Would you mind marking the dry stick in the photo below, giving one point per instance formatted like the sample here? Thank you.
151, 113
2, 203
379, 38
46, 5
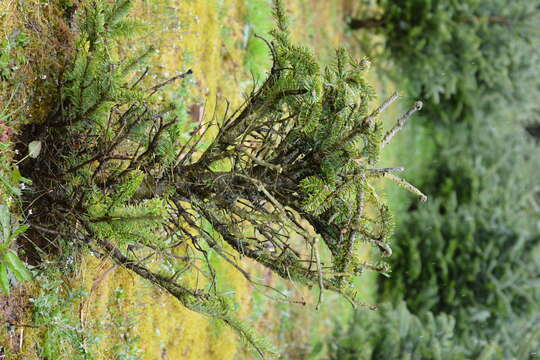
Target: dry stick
355, 24
286, 300
193, 147
319, 270
259, 161
99, 279
235, 125
118, 139
294, 284
24, 325
237, 245
400, 123
140, 78
247, 276
271, 48
220, 252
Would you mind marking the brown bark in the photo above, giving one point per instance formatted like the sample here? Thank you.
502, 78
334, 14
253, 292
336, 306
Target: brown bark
356, 24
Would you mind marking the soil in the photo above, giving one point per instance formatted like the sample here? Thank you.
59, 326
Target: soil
13, 309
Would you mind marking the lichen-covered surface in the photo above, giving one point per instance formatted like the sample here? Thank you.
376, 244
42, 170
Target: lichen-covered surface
124, 314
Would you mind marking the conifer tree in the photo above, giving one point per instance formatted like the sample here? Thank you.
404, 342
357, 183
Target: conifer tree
295, 181
462, 56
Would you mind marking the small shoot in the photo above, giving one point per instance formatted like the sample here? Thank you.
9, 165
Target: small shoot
9, 260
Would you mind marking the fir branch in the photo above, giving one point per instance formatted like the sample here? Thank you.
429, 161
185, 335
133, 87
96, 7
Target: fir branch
406, 185
400, 123
365, 123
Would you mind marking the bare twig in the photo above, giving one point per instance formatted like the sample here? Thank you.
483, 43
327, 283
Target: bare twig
319, 270
369, 119
153, 89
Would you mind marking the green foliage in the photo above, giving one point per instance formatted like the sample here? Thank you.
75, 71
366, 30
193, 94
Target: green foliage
9, 260
11, 181
472, 251
11, 57
396, 333
464, 55
258, 22
53, 309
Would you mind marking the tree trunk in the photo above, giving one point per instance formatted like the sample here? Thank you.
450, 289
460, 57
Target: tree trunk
356, 24
534, 131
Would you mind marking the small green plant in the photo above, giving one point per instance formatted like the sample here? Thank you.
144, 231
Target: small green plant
11, 58
9, 260
62, 336
122, 325
11, 181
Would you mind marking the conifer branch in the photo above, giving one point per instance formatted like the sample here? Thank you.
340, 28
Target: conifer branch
386, 170
366, 122
400, 123
406, 185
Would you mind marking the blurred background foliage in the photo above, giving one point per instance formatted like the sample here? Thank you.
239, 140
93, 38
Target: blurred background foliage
450, 52
396, 333
465, 280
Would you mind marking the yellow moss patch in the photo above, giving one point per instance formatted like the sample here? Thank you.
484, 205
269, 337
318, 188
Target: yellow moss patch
163, 324
188, 34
